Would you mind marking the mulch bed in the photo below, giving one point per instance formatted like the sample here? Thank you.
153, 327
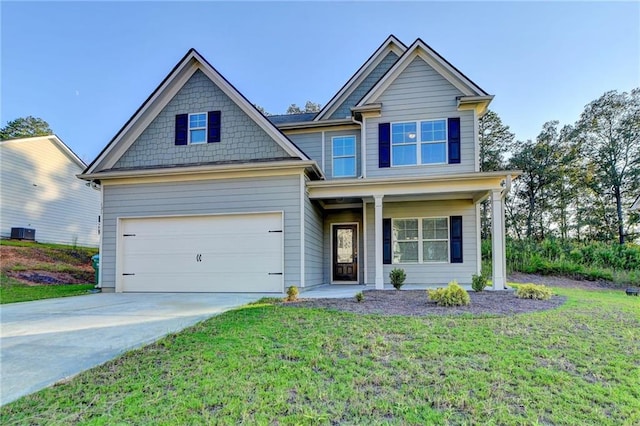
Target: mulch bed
416, 303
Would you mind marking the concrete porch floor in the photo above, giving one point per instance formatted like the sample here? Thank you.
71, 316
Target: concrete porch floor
334, 291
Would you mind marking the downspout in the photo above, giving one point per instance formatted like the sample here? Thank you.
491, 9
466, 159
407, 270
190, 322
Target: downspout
363, 151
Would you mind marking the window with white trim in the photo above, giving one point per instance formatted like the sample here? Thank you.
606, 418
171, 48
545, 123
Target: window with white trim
420, 240
410, 147
344, 156
198, 128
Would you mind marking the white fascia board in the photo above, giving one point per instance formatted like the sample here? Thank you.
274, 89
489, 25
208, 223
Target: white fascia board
421, 50
444, 184
391, 44
636, 204
200, 169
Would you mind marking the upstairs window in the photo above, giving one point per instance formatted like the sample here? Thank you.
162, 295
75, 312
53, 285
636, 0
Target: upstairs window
344, 156
198, 128
410, 147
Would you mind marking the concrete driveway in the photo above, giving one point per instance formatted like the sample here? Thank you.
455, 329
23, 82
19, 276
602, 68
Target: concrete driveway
44, 341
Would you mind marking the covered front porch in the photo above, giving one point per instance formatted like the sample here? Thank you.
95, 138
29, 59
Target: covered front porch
428, 226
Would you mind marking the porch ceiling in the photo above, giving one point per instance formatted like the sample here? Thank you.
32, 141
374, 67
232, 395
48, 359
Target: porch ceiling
474, 186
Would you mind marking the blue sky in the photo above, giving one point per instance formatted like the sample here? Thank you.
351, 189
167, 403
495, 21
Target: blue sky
85, 67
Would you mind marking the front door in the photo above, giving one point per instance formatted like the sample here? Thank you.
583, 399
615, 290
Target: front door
345, 253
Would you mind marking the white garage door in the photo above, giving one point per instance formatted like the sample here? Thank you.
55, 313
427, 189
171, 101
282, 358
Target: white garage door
230, 253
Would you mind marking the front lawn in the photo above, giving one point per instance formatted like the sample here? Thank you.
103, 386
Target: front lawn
578, 364
12, 291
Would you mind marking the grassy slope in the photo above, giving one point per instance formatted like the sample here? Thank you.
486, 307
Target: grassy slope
575, 365
59, 258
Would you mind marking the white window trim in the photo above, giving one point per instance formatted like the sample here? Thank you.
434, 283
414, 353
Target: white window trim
418, 143
421, 241
205, 128
355, 156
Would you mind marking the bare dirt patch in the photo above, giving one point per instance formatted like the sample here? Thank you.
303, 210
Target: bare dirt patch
45, 266
416, 303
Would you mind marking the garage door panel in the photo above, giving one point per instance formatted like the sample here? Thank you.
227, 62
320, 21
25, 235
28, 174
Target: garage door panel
230, 253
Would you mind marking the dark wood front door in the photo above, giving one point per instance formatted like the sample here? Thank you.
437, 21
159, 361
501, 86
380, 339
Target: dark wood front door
345, 253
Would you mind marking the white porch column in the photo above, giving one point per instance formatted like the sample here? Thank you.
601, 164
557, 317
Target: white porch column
498, 240
378, 238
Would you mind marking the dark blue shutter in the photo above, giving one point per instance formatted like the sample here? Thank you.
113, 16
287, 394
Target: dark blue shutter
455, 240
454, 140
384, 145
182, 129
386, 241
213, 126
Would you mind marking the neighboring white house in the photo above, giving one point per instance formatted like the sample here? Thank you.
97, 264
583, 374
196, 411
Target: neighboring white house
39, 190
636, 204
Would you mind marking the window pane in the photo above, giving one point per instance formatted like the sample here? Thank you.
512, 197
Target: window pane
435, 229
433, 153
435, 251
198, 136
404, 155
404, 252
345, 166
403, 132
344, 146
197, 120
431, 131
345, 245
406, 229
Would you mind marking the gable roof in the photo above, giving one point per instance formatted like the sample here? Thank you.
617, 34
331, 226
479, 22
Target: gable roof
54, 140
391, 44
161, 96
636, 204
420, 49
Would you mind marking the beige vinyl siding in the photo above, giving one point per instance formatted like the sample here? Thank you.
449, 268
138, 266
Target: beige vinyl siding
336, 217
421, 93
429, 273
40, 190
313, 241
264, 194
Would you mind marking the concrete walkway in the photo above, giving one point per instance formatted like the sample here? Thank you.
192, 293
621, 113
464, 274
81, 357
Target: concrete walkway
45, 341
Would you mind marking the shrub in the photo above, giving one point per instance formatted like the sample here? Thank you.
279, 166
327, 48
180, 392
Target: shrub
533, 291
452, 295
292, 293
478, 282
397, 277
359, 297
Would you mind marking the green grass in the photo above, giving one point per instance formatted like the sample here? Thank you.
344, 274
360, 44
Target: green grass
579, 364
12, 291
52, 258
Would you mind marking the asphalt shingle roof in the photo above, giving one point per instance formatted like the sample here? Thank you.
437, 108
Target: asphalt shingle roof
291, 118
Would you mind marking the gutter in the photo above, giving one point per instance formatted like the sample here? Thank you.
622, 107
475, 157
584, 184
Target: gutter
363, 150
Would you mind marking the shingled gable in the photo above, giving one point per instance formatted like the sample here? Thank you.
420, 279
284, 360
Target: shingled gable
473, 95
168, 88
391, 44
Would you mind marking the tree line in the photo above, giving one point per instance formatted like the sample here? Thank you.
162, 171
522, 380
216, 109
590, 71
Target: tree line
578, 181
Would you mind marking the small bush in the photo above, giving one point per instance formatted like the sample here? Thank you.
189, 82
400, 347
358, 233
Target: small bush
397, 277
478, 282
359, 297
533, 291
292, 293
452, 295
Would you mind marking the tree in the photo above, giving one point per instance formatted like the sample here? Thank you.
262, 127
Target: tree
609, 136
25, 127
308, 107
495, 141
539, 162
262, 110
